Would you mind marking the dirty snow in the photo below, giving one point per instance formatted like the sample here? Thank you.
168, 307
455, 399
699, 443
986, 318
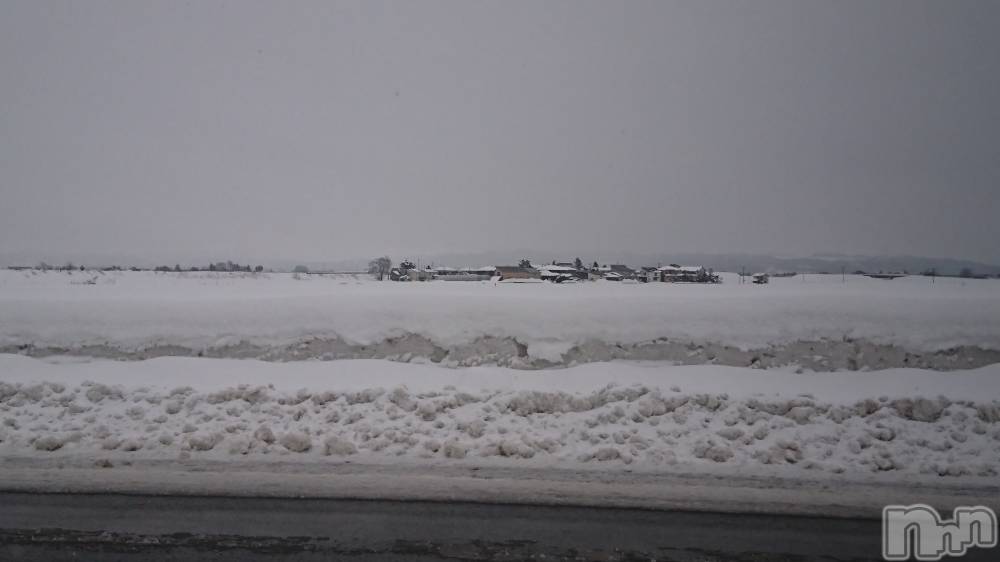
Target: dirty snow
645, 416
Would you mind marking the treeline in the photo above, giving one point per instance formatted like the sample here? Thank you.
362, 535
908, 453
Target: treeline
230, 266
226, 266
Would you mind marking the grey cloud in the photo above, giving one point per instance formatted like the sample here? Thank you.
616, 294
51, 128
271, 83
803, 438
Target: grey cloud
335, 130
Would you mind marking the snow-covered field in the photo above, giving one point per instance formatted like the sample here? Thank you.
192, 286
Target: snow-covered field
808, 379
819, 323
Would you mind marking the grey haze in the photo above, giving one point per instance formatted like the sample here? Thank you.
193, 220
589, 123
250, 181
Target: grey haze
340, 130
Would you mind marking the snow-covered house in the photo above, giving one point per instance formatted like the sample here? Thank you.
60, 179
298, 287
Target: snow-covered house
516, 272
620, 272
674, 273
487, 270
426, 274
467, 274
647, 274
557, 272
624, 271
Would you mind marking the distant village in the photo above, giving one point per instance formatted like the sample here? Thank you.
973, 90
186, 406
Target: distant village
576, 271
556, 272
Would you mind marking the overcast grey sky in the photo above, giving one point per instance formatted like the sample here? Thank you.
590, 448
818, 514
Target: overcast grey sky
331, 130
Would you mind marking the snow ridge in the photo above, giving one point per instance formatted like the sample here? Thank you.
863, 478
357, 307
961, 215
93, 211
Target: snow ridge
820, 356
618, 425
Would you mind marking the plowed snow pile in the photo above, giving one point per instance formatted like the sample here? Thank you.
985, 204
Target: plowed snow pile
608, 415
818, 323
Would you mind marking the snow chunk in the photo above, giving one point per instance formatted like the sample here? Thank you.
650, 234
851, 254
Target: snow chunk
339, 447
49, 443
203, 441
296, 442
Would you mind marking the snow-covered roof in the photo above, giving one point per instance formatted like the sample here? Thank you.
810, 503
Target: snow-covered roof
682, 269
476, 269
556, 268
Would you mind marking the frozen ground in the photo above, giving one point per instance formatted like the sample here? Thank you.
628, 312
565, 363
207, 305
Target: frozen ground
818, 323
802, 387
647, 416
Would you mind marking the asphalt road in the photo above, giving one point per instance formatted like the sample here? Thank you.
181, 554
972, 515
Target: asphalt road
82, 527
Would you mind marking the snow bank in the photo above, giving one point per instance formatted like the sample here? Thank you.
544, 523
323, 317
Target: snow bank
819, 323
645, 416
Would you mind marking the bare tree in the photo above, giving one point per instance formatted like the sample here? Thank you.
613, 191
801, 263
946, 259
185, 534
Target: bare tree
380, 267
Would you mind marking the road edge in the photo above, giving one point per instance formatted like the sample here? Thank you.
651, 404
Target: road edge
666, 492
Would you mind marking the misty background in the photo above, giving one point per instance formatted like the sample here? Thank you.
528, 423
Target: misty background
331, 132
